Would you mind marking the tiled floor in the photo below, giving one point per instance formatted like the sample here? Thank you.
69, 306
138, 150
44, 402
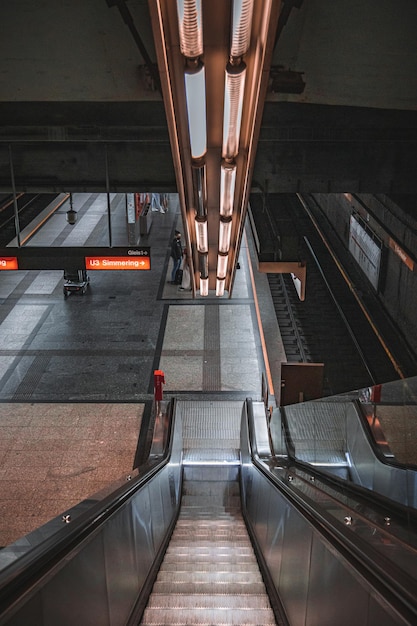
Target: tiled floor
76, 374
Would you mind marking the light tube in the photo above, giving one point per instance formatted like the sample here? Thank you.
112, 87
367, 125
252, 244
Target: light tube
222, 260
204, 286
203, 265
190, 26
200, 189
241, 27
220, 287
233, 103
195, 93
201, 234
225, 231
227, 188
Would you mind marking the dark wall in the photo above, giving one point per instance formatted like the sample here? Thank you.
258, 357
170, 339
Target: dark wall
392, 225
62, 146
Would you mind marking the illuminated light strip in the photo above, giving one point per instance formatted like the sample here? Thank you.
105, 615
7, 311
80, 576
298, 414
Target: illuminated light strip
195, 93
227, 188
117, 263
233, 103
260, 327
241, 27
204, 286
190, 26
43, 220
225, 232
405, 258
222, 261
220, 287
201, 234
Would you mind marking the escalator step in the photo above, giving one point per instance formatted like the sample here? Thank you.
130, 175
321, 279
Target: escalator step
208, 617
197, 615
179, 567
210, 588
199, 577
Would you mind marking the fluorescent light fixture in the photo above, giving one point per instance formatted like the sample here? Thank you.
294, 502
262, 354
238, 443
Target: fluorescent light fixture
195, 93
227, 188
222, 260
233, 102
241, 27
201, 234
204, 286
200, 189
203, 264
190, 26
220, 287
225, 231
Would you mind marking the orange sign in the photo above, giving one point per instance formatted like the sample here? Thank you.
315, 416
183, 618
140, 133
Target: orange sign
400, 253
117, 263
8, 263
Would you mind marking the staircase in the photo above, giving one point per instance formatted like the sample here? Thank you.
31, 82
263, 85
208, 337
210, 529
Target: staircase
210, 575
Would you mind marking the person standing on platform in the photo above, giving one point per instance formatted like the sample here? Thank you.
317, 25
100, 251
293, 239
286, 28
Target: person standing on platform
176, 255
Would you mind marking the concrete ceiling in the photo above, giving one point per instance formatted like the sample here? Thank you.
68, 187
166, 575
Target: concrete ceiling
76, 94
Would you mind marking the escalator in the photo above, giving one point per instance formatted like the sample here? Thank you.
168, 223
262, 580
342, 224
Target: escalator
338, 436
171, 546
209, 571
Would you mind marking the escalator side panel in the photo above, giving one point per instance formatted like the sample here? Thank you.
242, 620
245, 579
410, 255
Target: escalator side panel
331, 434
314, 582
100, 581
316, 585
397, 483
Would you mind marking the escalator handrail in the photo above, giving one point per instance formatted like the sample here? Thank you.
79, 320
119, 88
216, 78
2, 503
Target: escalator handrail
392, 583
26, 570
377, 499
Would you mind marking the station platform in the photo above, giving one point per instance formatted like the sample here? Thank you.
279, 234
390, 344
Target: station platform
77, 372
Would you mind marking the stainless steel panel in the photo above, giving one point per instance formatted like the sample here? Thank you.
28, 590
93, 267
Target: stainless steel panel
333, 596
316, 584
75, 594
100, 581
396, 483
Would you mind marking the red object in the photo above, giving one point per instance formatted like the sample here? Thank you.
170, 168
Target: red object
158, 381
376, 393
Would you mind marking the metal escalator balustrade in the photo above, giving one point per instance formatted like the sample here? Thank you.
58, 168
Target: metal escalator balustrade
103, 568
333, 435
210, 574
318, 551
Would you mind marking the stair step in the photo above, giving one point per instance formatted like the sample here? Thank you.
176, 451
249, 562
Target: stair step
211, 500
206, 534
235, 523
206, 541
204, 617
172, 565
208, 588
214, 601
202, 577
210, 551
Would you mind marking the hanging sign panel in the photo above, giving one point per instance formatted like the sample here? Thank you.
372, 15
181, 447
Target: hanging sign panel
117, 263
8, 263
34, 258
